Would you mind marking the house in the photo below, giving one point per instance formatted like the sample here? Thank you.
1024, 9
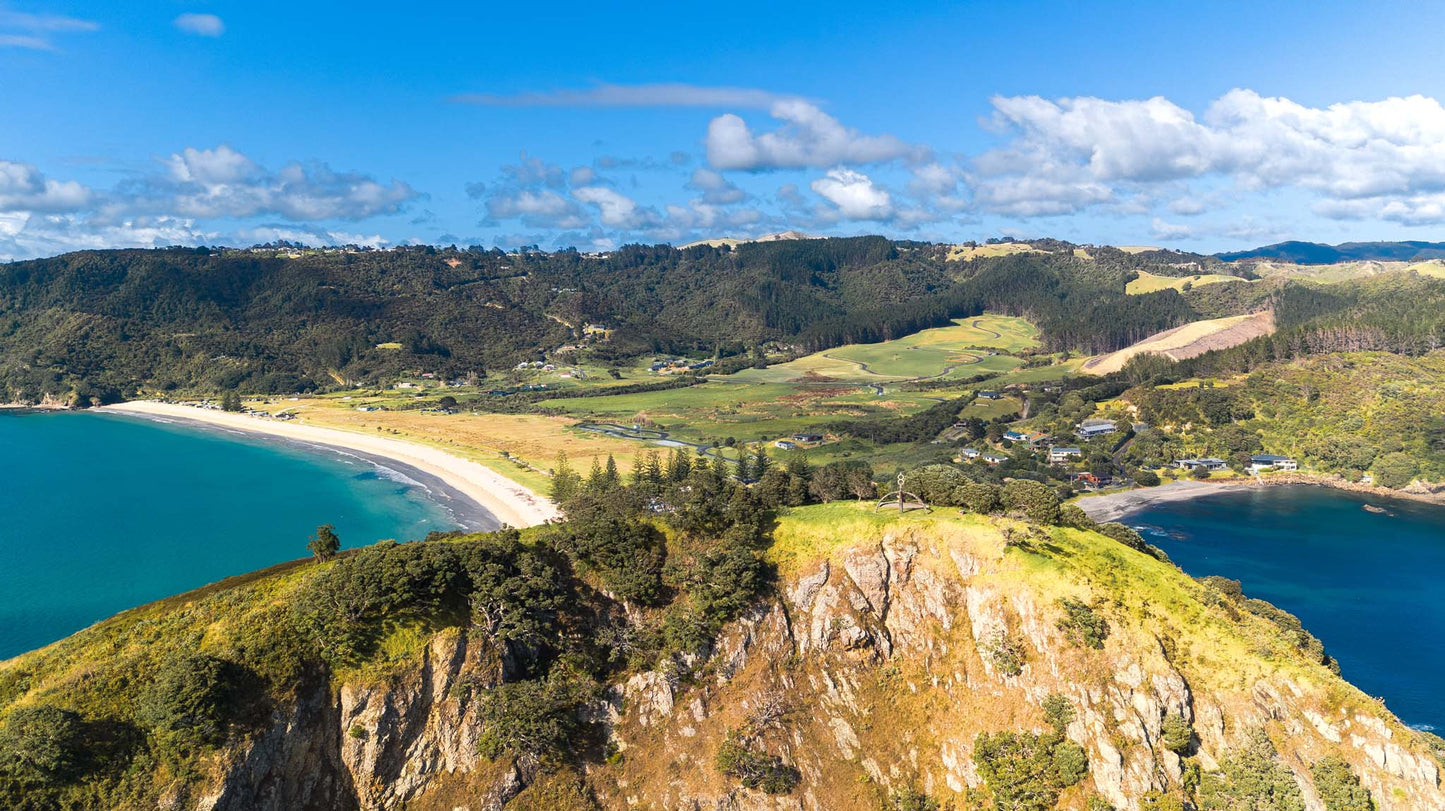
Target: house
993, 458
1016, 436
785, 445
1266, 461
970, 453
1061, 455
1090, 481
805, 438
989, 395
1088, 429
1207, 462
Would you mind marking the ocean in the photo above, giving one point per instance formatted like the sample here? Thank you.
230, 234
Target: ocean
100, 513
1369, 585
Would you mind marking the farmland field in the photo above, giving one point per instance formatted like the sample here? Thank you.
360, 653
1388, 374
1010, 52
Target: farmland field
960, 350
1149, 283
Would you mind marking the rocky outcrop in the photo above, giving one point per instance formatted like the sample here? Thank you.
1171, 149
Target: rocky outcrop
869, 671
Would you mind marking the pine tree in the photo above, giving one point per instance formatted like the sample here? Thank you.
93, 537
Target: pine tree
596, 478
565, 481
679, 465
761, 462
743, 470
610, 477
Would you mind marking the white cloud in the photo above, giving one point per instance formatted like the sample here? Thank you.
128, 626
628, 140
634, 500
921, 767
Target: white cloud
715, 188
35, 32
617, 209
221, 182
809, 137
539, 208
202, 25
670, 94
1066, 155
854, 194
1159, 229
24, 189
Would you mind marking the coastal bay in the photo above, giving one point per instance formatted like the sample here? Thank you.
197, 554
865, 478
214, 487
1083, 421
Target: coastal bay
106, 511
1362, 573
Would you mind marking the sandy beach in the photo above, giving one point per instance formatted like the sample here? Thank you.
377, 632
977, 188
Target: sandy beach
1113, 506
509, 502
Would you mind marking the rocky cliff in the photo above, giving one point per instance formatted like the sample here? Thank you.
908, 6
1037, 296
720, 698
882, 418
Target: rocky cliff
888, 648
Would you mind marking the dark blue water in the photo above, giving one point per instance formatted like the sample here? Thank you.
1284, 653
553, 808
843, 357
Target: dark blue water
100, 513
1372, 587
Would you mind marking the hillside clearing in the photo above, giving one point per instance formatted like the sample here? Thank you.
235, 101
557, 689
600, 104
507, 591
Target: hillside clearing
1187, 341
1150, 283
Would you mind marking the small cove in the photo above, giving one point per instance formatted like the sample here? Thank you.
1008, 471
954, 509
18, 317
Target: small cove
1368, 584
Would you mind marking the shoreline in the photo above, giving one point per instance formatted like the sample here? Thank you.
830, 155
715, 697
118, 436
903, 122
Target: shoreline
1114, 506
450, 476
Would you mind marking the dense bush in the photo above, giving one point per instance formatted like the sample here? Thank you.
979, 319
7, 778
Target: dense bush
1339, 787
978, 497
1251, 778
1177, 734
1082, 625
740, 757
41, 745
194, 700
1032, 500
533, 720
1027, 772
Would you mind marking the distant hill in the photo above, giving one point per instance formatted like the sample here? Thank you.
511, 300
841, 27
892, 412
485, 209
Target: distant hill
1315, 253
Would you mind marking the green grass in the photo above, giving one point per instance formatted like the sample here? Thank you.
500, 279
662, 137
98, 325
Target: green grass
960, 350
1149, 283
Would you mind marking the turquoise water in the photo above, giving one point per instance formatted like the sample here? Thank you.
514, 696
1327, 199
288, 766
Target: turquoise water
99, 513
1369, 586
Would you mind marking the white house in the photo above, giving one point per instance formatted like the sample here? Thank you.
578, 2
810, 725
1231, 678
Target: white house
1266, 461
994, 459
1088, 429
785, 445
1207, 462
1061, 455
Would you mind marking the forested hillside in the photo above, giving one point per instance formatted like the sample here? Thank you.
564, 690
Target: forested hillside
98, 326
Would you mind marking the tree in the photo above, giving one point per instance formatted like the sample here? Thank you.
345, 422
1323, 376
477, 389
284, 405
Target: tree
1034, 500
1251, 778
1338, 786
193, 699
325, 543
565, 481
978, 497
231, 401
41, 743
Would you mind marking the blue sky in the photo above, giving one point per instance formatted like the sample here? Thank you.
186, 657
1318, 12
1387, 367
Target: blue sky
1198, 126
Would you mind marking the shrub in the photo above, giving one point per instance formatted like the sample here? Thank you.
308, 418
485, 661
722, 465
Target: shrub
1082, 625
1199, 473
1097, 803
1146, 478
532, 720
1058, 711
41, 744
1395, 470
935, 484
1033, 500
1339, 788
738, 757
1123, 535
1072, 515
1157, 800
1177, 734
194, 699
977, 497
1006, 653
1027, 772
1251, 778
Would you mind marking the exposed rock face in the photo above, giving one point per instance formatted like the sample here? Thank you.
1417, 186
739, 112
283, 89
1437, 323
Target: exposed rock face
869, 673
